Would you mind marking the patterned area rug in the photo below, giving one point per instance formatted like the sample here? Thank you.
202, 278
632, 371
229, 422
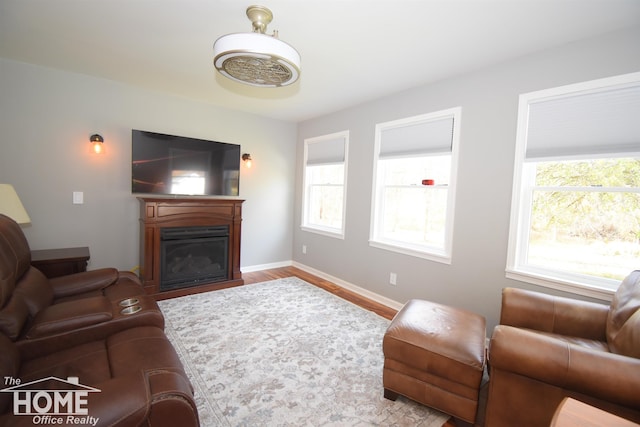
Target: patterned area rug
286, 353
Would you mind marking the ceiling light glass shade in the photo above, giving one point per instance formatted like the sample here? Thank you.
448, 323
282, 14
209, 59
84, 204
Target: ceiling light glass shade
256, 59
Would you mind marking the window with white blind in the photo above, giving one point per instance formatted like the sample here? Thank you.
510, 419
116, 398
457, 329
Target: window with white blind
575, 219
414, 185
325, 184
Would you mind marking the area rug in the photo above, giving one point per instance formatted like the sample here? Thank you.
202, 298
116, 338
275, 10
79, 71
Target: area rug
286, 353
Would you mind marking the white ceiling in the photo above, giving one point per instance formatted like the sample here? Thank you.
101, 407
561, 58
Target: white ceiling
352, 50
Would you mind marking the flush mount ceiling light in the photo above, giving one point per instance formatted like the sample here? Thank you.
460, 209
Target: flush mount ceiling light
256, 58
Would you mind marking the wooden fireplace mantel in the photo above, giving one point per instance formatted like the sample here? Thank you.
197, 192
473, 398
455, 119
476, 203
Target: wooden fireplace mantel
158, 213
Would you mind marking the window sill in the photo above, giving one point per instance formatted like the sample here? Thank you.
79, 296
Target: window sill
406, 250
323, 231
587, 290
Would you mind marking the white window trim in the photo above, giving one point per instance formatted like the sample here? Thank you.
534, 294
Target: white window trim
519, 218
325, 231
430, 253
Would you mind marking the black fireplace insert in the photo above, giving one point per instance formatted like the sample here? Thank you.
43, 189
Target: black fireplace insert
193, 255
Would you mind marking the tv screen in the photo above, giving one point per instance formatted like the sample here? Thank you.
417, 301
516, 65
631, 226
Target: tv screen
168, 164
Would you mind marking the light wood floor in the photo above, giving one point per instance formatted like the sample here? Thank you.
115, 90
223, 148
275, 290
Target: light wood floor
380, 309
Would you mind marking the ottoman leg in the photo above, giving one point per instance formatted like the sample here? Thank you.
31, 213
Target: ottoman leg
391, 395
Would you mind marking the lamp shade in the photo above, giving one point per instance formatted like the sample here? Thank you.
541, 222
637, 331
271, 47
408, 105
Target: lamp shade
11, 206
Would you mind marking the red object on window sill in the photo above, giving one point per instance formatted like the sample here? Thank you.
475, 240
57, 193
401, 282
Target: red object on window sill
428, 182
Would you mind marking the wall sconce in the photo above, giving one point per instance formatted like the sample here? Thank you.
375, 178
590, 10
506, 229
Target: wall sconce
246, 158
96, 142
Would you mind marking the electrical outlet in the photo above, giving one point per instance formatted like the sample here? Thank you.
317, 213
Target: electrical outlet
393, 278
78, 197
304, 249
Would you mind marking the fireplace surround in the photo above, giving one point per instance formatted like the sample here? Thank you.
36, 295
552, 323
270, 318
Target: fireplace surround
189, 245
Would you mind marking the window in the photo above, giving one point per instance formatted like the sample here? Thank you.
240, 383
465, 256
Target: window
325, 179
575, 221
414, 185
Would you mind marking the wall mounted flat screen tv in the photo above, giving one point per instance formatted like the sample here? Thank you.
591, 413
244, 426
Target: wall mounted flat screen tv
177, 165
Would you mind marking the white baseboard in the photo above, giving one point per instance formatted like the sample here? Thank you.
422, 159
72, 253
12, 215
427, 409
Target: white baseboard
252, 268
350, 286
344, 284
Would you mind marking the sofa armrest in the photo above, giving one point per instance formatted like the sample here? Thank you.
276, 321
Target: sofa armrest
87, 281
70, 316
172, 401
607, 376
150, 398
558, 315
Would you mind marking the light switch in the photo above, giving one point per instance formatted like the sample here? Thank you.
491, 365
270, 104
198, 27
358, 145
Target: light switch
78, 197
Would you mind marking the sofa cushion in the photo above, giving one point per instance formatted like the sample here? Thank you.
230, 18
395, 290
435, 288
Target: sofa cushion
628, 338
623, 322
137, 372
33, 287
88, 361
141, 348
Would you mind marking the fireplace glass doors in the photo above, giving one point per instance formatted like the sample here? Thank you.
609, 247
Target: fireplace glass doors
193, 255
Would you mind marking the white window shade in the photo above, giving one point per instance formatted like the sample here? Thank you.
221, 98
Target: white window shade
428, 137
594, 123
326, 152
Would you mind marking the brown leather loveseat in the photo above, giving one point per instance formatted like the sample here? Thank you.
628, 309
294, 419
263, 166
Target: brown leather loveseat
70, 333
547, 348
41, 314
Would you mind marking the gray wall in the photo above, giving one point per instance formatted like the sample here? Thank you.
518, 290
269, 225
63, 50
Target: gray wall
489, 101
46, 117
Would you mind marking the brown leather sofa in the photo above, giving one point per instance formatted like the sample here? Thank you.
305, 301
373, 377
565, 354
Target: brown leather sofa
547, 348
38, 313
136, 376
75, 328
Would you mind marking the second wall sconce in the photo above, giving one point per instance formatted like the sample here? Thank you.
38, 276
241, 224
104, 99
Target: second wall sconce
96, 142
246, 158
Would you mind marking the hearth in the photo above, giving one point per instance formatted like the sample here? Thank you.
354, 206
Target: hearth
193, 255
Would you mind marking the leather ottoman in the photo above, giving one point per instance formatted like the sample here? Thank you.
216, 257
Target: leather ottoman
435, 355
